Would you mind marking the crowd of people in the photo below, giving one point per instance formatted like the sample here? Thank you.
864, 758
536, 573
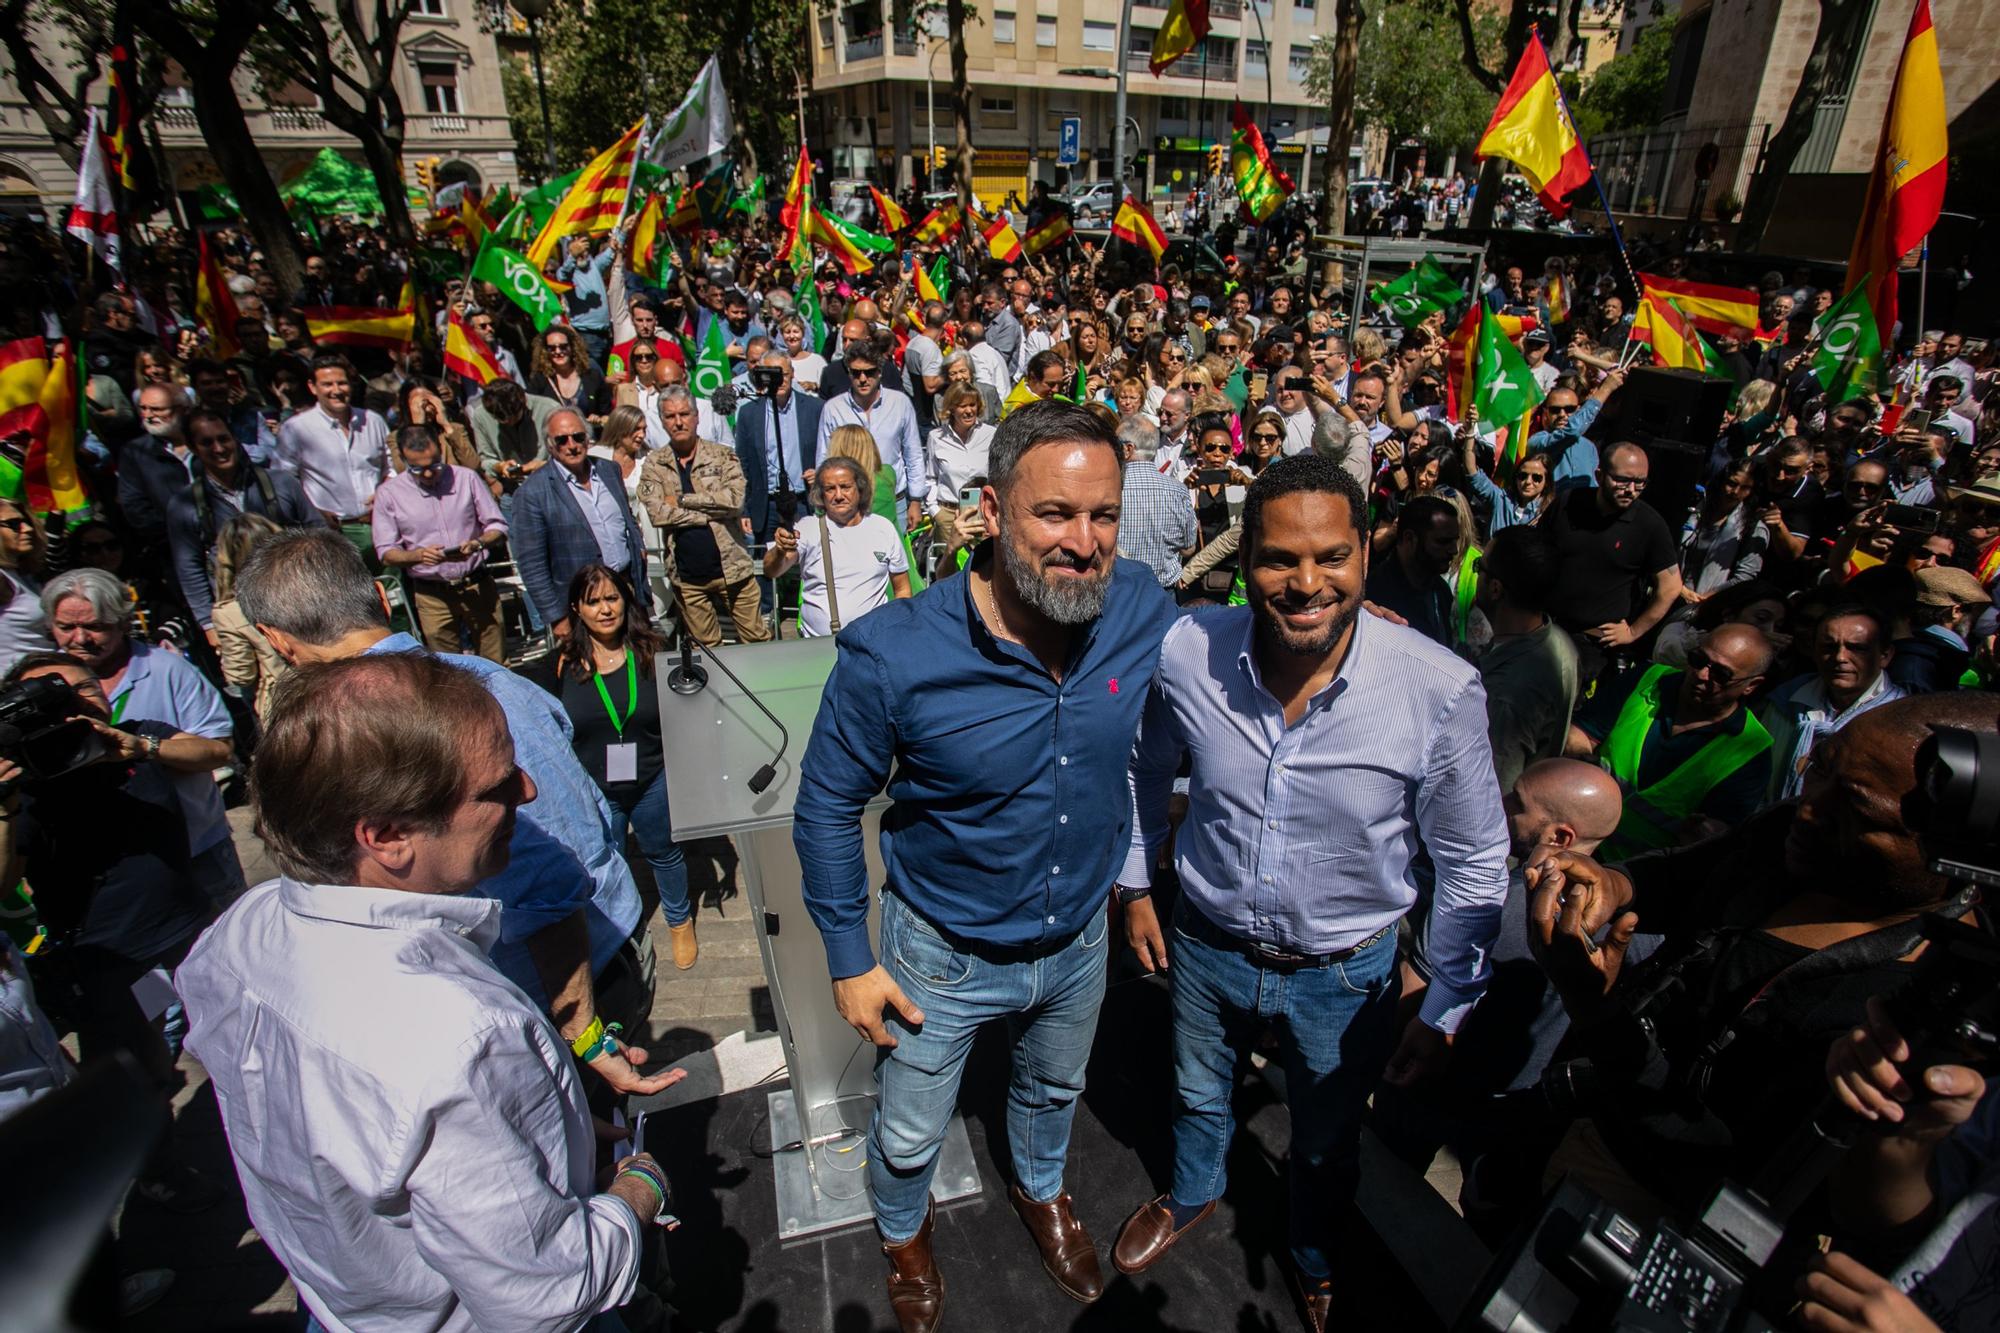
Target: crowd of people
1432, 750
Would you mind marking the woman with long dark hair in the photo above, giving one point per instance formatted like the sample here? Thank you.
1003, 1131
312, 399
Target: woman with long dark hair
604, 677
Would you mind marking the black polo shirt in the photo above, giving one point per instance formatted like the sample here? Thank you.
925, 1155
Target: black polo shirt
1607, 559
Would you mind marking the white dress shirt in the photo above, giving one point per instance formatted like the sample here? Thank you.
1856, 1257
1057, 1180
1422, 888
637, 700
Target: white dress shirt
410, 1132
955, 462
1298, 431
989, 367
708, 423
338, 466
1301, 837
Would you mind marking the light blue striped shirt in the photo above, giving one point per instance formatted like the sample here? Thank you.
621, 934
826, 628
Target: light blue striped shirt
1301, 838
893, 423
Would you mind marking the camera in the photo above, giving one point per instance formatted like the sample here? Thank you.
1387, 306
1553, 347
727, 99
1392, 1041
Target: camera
39, 729
767, 379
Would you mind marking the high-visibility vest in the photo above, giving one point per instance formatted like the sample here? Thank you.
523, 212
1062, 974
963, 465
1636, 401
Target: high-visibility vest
1654, 813
1465, 595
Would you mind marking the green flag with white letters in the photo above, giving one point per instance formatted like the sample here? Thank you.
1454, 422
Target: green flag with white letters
1848, 363
518, 282
1504, 388
711, 362
1417, 293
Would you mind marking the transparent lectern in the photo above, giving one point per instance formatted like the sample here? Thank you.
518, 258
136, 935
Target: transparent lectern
716, 739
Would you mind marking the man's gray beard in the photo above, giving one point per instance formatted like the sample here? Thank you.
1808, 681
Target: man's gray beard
1073, 602
159, 430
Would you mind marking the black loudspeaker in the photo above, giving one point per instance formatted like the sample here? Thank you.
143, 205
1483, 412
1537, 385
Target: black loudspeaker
1674, 472
1660, 404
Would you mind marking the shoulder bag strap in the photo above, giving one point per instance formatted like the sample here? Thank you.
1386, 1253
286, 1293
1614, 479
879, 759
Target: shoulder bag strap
826, 565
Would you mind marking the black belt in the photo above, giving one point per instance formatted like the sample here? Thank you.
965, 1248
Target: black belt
476, 576
987, 951
1190, 922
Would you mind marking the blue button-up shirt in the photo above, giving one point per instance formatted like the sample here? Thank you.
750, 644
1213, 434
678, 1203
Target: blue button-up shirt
1006, 826
160, 686
892, 420
1301, 837
569, 846
786, 435
589, 306
601, 511
1573, 458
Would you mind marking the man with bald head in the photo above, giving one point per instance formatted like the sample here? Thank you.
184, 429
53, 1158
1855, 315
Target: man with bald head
1619, 567
1691, 759
573, 514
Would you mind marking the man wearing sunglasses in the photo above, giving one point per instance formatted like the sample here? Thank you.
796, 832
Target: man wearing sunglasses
439, 523
571, 514
890, 417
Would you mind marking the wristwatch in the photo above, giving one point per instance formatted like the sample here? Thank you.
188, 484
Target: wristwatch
151, 745
1129, 894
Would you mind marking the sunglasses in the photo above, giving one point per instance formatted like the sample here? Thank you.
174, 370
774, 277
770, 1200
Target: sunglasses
1699, 661
576, 437
1227, 347
558, 347
1625, 483
1265, 435
863, 373
18, 524
639, 360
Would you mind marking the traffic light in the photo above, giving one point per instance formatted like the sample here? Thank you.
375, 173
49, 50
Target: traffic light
1217, 159
939, 157
427, 173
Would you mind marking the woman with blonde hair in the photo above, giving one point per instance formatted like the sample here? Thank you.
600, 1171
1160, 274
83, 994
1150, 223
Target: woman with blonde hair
622, 440
857, 443
23, 549
249, 662
154, 366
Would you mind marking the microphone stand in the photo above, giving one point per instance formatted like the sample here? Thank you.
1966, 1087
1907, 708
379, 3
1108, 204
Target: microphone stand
687, 678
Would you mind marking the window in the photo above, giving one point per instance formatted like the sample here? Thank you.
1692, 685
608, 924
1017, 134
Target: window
440, 81
1255, 56
427, 9
1301, 61
1173, 108
1305, 6
1003, 27
1045, 32
995, 106
826, 30
1100, 36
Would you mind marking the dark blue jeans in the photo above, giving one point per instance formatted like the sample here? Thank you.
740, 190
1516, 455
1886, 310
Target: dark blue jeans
1335, 1025
655, 831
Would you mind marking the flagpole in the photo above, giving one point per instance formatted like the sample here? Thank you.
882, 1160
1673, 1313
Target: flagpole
1924, 285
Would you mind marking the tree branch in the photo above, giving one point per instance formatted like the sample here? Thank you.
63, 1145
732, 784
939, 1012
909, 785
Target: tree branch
1488, 79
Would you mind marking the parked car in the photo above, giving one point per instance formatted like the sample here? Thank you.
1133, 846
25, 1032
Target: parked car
1092, 203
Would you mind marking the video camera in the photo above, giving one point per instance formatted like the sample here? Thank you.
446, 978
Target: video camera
767, 380
1582, 1266
40, 730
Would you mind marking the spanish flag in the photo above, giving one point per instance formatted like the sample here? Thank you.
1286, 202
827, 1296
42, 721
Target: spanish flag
465, 353
1532, 129
214, 304
594, 204
684, 218
1134, 223
1055, 229
1002, 240
1718, 310
1676, 344
853, 259
940, 223
649, 244
39, 418
118, 144
1906, 191
360, 326
927, 288
793, 215
1185, 28
894, 219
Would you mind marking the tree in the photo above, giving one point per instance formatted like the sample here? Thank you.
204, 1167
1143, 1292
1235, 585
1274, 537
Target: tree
1411, 78
1628, 90
61, 99
1342, 55
961, 96
351, 68
1839, 43
1493, 74
209, 42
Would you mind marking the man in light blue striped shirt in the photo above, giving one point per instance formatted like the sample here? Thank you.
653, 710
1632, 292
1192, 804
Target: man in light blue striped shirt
1326, 744
891, 418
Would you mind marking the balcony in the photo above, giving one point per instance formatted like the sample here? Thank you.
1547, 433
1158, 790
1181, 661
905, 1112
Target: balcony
300, 118
1225, 9
1187, 67
864, 48
446, 124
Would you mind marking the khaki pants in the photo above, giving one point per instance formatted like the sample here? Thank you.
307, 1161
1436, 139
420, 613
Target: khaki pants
701, 607
444, 609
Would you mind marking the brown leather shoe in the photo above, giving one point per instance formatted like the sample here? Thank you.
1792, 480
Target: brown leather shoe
1315, 1300
685, 948
1149, 1234
916, 1288
1067, 1249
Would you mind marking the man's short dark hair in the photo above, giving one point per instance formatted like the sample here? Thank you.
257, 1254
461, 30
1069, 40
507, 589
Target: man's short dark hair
40, 660
204, 365
864, 351
1524, 559
1039, 363
505, 397
1952, 382
1049, 421
1368, 374
1417, 515
1861, 611
1297, 475
331, 361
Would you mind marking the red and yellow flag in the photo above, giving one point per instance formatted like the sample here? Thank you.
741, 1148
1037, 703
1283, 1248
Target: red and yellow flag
215, 304
466, 353
1002, 240
1906, 191
1185, 27
1675, 342
795, 213
894, 219
828, 237
927, 288
940, 223
649, 243
594, 204
119, 140
39, 427
1717, 310
1532, 129
1134, 223
360, 326
1055, 229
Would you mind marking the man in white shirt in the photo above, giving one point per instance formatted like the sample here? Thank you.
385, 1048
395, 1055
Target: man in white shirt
339, 452
410, 1132
1535, 348
989, 367
1174, 458
891, 418
1294, 409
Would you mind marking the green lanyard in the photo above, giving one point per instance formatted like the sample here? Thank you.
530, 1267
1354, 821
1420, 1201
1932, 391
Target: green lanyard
118, 707
631, 695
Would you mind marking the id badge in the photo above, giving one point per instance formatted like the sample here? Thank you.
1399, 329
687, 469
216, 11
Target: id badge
621, 762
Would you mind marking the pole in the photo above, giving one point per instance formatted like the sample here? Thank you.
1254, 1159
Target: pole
1118, 102
542, 89
1923, 284
1638, 292
1270, 126
930, 116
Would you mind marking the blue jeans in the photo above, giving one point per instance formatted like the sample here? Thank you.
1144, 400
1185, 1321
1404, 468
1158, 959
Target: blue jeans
655, 831
1335, 1024
1050, 1006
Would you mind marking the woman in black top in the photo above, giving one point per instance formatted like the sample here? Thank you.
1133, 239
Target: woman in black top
604, 676
1215, 471
560, 368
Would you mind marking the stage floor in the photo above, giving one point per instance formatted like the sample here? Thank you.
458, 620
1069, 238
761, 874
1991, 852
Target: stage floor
731, 1273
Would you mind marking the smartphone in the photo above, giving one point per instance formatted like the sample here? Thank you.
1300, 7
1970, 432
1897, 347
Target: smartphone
1214, 476
1921, 519
1917, 419
968, 496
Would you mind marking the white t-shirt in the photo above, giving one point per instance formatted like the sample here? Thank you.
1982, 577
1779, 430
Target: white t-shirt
807, 370
865, 554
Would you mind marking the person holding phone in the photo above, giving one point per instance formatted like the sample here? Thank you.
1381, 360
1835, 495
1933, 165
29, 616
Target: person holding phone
958, 451
1214, 474
850, 561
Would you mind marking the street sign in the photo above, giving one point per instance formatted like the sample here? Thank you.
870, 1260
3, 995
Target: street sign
1072, 141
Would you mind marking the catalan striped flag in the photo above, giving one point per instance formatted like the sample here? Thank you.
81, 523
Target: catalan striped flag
939, 224
894, 219
1906, 190
360, 326
1532, 129
214, 303
466, 353
1134, 223
595, 203
1055, 229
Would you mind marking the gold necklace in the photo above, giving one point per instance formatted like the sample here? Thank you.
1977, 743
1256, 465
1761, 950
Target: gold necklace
999, 626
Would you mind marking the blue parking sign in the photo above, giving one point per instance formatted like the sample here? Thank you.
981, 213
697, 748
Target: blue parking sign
1071, 149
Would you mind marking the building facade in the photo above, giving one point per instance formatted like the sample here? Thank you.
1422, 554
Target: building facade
449, 78
881, 97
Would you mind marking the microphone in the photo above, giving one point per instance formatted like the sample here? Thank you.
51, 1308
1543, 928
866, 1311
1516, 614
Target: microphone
766, 775
687, 678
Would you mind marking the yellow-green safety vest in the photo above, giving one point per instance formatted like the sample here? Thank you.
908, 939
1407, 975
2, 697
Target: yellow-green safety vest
1654, 813
1465, 594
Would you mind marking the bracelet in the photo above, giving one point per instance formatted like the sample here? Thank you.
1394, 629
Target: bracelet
1128, 894
587, 1038
647, 1176
607, 1043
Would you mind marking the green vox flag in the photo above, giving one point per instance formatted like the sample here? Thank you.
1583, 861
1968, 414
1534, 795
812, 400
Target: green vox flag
861, 238
806, 299
534, 209
518, 282
941, 277
1416, 294
437, 265
1505, 386
713, 193
1848, 363
751, 201
711, 363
